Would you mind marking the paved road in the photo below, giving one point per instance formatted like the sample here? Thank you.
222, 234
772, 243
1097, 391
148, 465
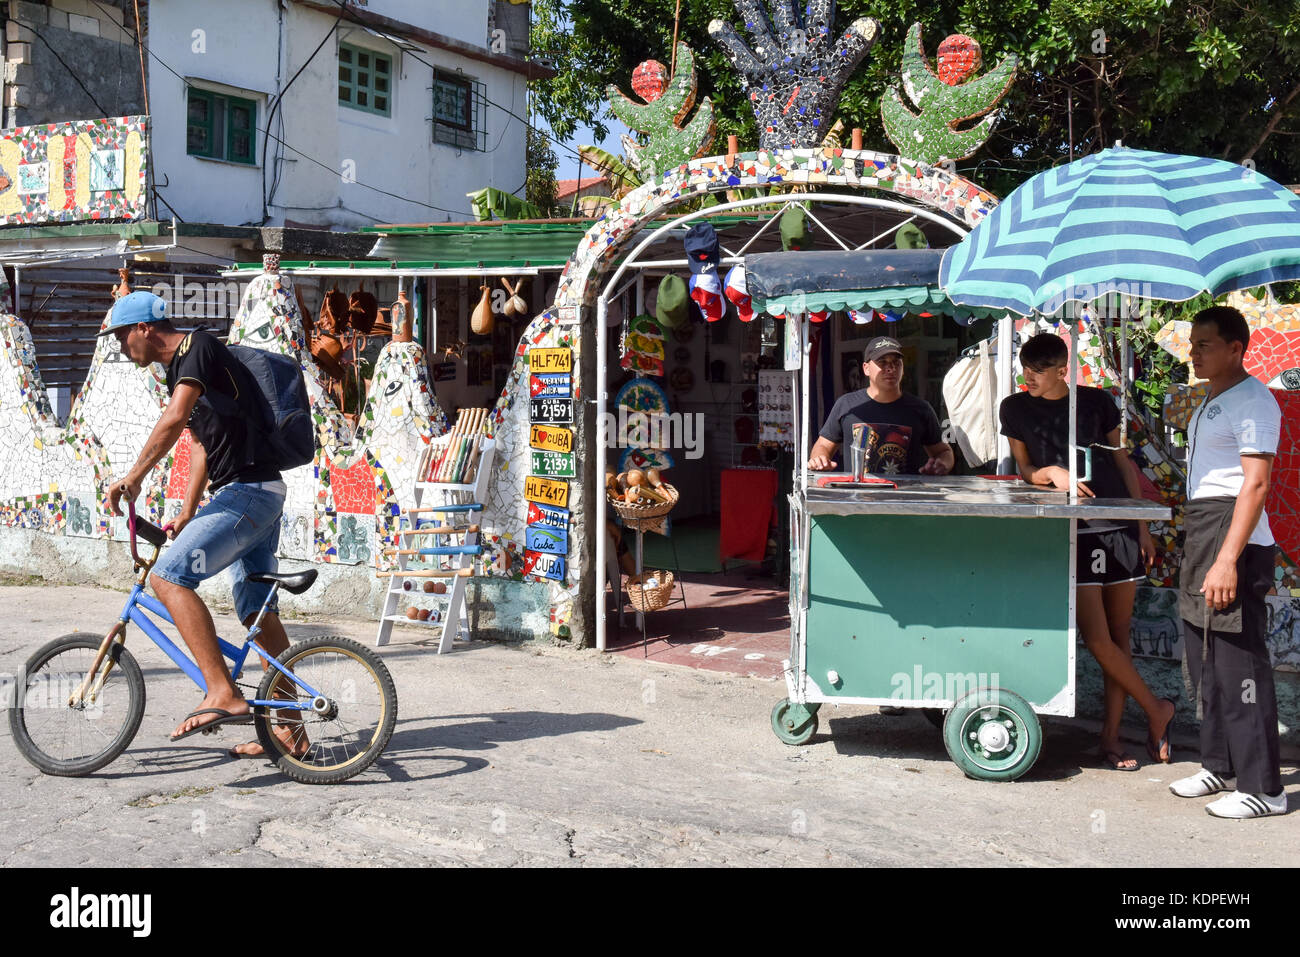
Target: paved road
507, 756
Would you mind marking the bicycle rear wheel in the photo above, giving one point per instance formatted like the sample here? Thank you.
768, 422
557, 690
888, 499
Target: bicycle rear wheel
67, 741
351, 722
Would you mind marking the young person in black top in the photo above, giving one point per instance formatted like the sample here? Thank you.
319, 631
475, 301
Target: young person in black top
903, 434
1110, 554
214, 395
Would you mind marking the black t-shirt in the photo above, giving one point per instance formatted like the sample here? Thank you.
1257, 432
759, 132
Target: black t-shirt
900, 431
224, 417
1044, 426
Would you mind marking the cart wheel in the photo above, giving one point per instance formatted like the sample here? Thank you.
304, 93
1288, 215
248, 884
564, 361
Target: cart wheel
794, 723
935, 716
993, 735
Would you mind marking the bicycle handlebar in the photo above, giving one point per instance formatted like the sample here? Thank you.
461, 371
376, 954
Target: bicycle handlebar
146, 529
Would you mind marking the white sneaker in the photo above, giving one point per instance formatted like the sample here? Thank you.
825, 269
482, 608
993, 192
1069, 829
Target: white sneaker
1239, 805
1201, 784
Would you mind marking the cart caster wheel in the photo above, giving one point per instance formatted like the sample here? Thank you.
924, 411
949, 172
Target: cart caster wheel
794, 723
935, 716
993, 735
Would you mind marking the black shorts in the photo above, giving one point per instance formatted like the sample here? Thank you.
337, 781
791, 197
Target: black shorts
1108, 557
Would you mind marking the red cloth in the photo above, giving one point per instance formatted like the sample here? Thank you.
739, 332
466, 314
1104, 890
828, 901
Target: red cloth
747, 496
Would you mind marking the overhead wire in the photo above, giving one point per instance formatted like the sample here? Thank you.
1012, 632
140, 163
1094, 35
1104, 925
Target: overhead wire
71, 72
307, 156
275, 178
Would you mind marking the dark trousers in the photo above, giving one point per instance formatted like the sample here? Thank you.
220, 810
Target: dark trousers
1239, 731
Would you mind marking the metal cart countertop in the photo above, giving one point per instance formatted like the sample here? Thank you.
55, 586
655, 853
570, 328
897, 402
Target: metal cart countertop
968, 495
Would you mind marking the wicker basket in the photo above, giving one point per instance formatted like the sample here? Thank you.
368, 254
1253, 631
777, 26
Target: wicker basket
631, 513
650, 599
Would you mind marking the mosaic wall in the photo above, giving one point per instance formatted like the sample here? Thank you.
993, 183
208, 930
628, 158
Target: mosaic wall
80, 170
341, 508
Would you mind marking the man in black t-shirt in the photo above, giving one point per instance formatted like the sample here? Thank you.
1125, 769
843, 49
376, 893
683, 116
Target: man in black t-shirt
1109, 555
898, 432
217, 398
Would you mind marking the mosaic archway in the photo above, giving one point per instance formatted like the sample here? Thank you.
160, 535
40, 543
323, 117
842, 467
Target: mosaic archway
510, 510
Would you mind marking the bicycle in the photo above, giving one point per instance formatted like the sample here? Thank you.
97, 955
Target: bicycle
324, 710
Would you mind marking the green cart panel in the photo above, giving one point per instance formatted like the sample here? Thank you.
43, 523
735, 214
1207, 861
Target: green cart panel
926, 607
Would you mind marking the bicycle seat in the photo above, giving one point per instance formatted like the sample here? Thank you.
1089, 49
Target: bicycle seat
295, 583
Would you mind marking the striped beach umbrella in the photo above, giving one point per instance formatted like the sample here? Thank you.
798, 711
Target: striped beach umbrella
1152, 225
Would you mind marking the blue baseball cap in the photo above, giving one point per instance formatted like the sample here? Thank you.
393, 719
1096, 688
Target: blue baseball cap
135, 307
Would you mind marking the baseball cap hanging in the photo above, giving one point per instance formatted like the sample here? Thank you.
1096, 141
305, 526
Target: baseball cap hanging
737, 290
794, 229
909, 236
670, 303
703, 256
702, 252
706, 290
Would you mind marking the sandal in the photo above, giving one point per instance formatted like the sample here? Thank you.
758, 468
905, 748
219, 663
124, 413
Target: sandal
1162, 746
1114, 760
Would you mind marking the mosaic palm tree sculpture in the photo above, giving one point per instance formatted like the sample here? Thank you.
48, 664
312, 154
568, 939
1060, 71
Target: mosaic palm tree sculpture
946, 102
668, 101
795, 69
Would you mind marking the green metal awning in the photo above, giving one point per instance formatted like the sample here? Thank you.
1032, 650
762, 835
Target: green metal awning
469, 245
902, 299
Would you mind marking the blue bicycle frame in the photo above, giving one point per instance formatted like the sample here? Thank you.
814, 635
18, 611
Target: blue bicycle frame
140, 602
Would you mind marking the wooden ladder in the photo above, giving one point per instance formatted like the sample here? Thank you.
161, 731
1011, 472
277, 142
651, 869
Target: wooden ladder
447, 516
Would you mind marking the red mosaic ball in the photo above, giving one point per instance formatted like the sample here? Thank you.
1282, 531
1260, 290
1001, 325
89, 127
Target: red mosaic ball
650, 80
959, 58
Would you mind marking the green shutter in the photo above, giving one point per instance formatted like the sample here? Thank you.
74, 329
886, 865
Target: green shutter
200, 114
364, 80
241, 130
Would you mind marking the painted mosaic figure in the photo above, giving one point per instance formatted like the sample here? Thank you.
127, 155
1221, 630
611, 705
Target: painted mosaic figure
945, 102
794, 71
667, 104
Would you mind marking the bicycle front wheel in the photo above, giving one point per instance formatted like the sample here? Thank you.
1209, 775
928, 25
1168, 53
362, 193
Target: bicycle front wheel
352, 713
70, 741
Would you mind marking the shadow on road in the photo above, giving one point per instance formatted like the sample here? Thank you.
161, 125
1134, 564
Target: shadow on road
910, 736
417, 740
481, 732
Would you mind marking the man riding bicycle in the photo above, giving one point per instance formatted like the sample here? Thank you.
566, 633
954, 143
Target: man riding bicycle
215, 395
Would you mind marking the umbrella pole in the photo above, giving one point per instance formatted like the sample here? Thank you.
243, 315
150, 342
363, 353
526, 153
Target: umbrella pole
1074, 408
1125, 373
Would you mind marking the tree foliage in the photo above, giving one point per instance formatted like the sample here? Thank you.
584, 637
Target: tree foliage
540, 186
1218, 78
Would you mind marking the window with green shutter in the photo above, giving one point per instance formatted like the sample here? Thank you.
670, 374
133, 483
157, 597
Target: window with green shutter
221, 127
365, 80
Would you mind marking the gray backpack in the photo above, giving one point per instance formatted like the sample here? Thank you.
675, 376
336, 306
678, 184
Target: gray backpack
286, 425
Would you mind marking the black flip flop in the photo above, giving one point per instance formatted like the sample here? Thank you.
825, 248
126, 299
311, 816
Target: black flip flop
226, 717
1111, 760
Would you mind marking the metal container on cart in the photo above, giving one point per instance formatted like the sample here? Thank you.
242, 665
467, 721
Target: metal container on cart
954, 594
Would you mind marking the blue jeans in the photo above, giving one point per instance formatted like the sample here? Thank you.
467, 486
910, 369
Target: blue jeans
238, 529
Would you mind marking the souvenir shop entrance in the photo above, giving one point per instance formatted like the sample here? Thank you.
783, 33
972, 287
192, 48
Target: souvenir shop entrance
711, 400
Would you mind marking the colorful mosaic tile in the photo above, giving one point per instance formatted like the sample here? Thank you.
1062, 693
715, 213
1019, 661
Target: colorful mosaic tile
945, 103
794, 70
77, 170
667, 104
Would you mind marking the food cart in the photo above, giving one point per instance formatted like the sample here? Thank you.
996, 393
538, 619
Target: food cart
953, 594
